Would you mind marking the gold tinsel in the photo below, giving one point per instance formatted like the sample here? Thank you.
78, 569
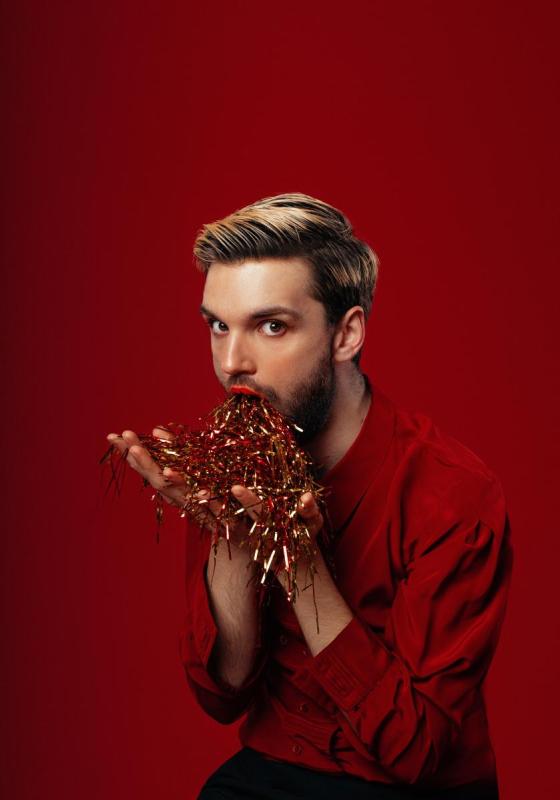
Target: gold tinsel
244, 440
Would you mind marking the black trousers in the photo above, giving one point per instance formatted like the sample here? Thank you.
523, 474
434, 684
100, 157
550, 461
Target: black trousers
250, 775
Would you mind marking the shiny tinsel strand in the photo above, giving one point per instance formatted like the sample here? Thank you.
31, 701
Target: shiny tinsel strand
244, 440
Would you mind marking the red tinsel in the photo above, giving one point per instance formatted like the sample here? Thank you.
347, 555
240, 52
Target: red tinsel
245, 440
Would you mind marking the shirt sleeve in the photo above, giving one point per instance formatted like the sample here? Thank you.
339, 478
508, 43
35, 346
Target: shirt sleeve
198, 635
403, 695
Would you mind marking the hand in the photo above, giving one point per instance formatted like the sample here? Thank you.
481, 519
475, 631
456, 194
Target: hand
308, 510
170, 484
172, 487
237, 525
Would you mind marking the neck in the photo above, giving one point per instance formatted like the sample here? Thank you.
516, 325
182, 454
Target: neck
351, 403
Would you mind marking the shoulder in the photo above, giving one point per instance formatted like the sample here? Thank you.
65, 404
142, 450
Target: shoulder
441, 478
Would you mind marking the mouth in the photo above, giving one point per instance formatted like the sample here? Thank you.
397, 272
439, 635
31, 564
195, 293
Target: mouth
245, 390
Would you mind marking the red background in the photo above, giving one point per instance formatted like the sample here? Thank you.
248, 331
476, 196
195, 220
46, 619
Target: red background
435, 127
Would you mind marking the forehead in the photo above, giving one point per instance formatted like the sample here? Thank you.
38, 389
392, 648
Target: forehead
238, 289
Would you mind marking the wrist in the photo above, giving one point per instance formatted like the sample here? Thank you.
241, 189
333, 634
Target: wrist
233, 566
303, 571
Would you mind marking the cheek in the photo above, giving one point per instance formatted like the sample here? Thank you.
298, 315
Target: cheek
215, 352
283, 362
292, 344
288, 365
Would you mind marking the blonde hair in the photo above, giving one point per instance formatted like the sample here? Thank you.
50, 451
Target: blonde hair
344, 269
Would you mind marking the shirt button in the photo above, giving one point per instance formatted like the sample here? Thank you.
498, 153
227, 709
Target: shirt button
297, 749
303, 707
305, 652
283, 639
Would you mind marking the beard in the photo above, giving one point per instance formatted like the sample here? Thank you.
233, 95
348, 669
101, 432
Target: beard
310, 403
311, 407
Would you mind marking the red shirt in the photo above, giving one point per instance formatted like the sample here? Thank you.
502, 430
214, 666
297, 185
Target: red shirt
423, 558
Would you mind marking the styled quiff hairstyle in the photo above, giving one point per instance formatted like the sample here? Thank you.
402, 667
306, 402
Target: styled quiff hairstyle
344, 269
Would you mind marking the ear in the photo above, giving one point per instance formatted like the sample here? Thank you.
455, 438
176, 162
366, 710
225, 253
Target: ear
349, 335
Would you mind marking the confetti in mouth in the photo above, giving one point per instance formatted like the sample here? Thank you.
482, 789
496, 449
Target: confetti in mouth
245, 440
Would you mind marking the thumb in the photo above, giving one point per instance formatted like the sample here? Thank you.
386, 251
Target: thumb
307, 506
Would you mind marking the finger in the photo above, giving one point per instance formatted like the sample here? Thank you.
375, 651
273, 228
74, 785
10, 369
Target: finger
134, 446
216, 505
173, 477
118, 442
130, 438
307, 504
140, 459
251, 502
308, 510
208, 508
171, 486
163, 433
129, 443
143, 462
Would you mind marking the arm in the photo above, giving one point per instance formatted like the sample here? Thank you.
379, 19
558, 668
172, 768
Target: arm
222, 670
235, 609
401, 698
221, 642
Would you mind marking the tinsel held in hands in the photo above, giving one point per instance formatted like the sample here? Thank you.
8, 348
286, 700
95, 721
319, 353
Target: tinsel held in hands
244, 440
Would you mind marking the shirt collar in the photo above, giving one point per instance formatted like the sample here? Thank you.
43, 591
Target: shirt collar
351, 476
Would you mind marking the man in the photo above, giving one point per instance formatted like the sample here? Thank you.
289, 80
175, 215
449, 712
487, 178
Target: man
385, 699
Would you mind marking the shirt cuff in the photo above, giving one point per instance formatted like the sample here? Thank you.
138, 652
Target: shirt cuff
352, 665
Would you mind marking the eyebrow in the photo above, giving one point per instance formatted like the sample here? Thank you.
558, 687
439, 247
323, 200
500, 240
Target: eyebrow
261, 312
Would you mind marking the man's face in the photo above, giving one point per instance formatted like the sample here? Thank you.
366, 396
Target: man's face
269, 334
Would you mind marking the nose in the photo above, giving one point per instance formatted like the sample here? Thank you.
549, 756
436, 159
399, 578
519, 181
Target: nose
235, 357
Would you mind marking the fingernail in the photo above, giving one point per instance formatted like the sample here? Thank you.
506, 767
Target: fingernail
237, 490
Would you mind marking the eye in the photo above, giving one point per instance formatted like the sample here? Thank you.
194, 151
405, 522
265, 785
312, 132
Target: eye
275, 323
210, 322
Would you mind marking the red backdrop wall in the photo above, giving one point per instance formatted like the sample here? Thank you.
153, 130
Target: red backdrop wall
435, 127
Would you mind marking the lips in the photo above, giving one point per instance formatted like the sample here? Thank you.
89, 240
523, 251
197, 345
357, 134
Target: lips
245, 390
